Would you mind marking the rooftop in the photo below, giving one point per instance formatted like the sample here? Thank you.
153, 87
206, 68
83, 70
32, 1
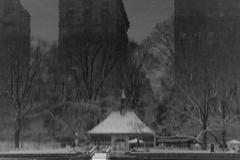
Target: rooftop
121, 123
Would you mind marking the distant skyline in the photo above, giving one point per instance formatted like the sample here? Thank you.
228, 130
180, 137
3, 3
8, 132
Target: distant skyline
143, 16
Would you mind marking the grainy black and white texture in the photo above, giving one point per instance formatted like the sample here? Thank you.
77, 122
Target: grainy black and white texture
67, 65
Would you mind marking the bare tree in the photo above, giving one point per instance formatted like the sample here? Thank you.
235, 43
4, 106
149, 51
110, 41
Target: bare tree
195, 104
75, 118
134, 79
139, 129
194, 65
202, 74
225, 108
71, 109
22, 82
155, 55
90, 60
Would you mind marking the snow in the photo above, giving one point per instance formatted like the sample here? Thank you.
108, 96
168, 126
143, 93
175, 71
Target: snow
99, 156
134, 141
47, 151
117, 123
177, 151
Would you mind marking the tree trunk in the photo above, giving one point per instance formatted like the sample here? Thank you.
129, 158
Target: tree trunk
224, 141
204, 138
17, 133
17, 137
224, 130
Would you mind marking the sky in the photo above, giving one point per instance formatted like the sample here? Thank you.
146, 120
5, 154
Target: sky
143, 16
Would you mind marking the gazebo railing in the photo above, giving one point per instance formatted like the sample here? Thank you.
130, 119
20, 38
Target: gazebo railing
92, 151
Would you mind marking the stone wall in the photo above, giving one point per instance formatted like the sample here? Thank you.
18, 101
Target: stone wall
177, 156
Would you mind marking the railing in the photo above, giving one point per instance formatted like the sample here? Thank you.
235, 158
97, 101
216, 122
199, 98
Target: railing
92, 151
106, 149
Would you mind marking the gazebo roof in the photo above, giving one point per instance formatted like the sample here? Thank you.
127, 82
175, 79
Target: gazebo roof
121, 123
178, 138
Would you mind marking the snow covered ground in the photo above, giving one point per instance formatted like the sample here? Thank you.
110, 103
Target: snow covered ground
66, 150
99, 156
153, 150
47, 151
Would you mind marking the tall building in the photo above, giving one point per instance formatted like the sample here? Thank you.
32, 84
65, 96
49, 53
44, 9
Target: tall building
207, 37
91, 21
14, 42
92, 39
97, 16
14, 30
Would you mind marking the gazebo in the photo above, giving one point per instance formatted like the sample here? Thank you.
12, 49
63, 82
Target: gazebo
119, 128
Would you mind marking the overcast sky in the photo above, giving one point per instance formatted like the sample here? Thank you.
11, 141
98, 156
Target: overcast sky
143, 16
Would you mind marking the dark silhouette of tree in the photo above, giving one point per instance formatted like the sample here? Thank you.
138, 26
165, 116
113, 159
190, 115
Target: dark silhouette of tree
205, 72
22, 81
156, 55
90, 62
194, 81
225, 106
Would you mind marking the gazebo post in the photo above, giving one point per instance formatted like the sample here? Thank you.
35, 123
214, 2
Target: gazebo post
144, 142
113, 144
154, 141
127, 144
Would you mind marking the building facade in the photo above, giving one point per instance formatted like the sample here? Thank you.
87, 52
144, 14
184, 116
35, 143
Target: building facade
206, 37
14, 30
97, 16
84, 22
14, 42
92, 42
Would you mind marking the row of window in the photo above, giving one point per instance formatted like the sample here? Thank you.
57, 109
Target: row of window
87, 13
87, 17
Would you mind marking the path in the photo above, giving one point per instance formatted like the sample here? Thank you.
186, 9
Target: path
99, 156
102, 153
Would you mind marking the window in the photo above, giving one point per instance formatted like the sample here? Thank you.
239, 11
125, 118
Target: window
105, 17
87, 4
69, 16
105, 5
105, 12
87, 16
